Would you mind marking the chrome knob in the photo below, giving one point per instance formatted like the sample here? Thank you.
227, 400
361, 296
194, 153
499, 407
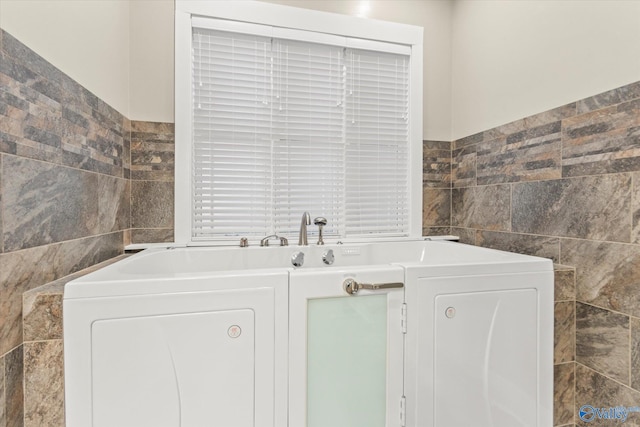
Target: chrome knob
297, 259
328, 257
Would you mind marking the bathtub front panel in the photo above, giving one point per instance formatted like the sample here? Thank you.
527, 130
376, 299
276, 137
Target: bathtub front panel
479, 350
485, 359
177, 370
179, 359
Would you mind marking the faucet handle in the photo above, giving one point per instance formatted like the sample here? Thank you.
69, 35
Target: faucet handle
283, 240
320, 222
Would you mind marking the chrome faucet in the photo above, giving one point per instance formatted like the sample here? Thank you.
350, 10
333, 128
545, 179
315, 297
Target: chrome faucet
283, 240
306, 220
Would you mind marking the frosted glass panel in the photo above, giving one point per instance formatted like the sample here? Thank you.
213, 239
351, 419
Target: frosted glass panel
346, 361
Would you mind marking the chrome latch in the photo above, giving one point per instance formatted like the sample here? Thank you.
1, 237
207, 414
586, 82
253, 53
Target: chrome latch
352, 287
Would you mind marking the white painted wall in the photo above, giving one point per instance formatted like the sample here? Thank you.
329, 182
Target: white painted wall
123, 50
152, 51
487, 62
435, 17
86, 39
515, 58
152, 70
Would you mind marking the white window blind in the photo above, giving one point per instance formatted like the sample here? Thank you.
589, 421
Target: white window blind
377, 144
283, 126
308, 134
231, 134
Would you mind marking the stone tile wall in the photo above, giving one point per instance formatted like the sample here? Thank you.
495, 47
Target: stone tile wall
565, 184
152, 182
436, 188
64, 203
43, 393
75, 177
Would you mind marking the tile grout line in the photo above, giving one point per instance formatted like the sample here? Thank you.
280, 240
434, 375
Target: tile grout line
130, 222
619, 313
2, 203
451, 186
65, 241
609, 378
575, 391
632, 206
630, 351
575, 354
62, 165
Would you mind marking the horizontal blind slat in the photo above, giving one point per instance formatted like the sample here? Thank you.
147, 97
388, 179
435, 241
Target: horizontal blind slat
282, 126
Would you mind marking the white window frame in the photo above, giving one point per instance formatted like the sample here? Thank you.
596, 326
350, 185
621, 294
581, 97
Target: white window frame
257, 12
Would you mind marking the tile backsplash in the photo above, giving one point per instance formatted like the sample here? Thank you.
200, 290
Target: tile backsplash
62, 192
152, 181
74, 173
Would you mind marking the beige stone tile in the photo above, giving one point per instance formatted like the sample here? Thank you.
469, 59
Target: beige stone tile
596, 208
529, 155
436, 211
3, 412
14, 390
542, 246
468, 140
152, 151
564, 332
608, 98
42, 317
152, 235
436, 231
602, 341
436, 164
607, 274
45, 203
551, 116
564, 283
563, 393
18, 275
635, 353
635, 209
42, 306
43, 384
601, 141
466, 235
114, 203
463, 166
152, 204
486, 208
507, 129
595, 389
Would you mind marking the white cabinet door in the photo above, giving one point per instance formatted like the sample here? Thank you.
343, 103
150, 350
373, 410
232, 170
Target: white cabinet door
480, 351
189, 369
346, 351
212, 357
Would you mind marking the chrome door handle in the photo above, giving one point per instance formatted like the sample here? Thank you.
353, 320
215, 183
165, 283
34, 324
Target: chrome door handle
352, 287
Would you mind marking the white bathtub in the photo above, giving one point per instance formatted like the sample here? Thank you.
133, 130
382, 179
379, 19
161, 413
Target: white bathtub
149, 341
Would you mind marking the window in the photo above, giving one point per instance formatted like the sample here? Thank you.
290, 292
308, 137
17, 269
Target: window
284, 121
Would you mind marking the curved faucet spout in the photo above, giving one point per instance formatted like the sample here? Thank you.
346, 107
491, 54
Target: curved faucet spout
306, 220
